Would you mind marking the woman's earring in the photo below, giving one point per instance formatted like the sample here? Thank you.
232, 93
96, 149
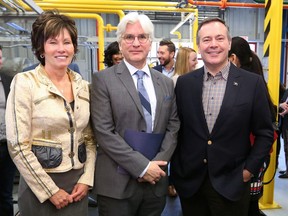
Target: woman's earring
42, 56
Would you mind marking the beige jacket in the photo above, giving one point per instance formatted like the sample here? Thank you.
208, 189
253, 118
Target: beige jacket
45, 135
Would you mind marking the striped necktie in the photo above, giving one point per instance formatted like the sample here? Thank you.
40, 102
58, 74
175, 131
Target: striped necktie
144, 98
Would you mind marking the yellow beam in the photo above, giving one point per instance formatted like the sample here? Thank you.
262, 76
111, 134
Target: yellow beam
112, 6
272, 50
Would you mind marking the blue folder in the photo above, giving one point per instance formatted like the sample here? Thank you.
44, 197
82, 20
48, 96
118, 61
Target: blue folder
148, 144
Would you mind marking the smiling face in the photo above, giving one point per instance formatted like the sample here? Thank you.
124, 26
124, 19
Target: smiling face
135, 53
192, 60
164, 56
59, 51
214, 45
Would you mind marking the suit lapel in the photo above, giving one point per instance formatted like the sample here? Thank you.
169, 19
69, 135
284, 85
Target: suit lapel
123, 73
231, 94
159, 95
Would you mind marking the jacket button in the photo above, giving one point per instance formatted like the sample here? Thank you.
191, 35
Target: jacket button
67, 108
71, 130
205, 160
71, 154
209, 142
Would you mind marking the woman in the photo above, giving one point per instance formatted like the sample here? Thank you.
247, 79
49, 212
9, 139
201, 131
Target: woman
48, 131
112, 55
186, 61
243, 57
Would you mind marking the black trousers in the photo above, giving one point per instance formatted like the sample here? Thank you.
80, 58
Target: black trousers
7, 172
208, 202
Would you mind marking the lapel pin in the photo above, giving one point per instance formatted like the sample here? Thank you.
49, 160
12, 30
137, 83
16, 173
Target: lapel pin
235, 83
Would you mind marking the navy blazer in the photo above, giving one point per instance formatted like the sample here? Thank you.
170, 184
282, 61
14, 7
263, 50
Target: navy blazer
226, 151
158, 68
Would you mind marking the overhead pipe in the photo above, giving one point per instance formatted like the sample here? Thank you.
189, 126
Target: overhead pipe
120, 13
77, 7
224, 4
116, 3
111, 6
100, 23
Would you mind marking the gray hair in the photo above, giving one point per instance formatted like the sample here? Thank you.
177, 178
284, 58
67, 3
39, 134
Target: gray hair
132, 18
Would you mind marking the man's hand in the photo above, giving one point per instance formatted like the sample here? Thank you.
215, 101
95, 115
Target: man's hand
247, 175
61, 199
154, 172
284, 107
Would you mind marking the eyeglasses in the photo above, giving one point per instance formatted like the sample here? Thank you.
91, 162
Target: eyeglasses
142, 38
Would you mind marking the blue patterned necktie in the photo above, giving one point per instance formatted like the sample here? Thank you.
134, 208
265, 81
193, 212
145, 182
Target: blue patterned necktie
144, 98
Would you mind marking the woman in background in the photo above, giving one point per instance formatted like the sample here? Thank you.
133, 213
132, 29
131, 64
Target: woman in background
186, 61
243, 57
112, 54
48, 128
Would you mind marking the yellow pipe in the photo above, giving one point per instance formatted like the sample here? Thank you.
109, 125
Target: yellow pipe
100, 33
120, 13
195, 28
273, 17
120, 7
109, 2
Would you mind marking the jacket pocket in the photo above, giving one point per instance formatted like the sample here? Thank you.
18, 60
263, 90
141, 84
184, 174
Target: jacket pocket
82, 156
48, 152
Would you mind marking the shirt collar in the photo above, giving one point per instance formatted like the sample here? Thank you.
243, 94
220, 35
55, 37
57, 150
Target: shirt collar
224, 72
133, 69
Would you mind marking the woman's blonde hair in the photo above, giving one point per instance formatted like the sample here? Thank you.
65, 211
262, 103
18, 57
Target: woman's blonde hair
182, 60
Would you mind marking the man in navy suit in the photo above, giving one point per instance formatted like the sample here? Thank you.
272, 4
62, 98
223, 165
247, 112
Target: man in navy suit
7, 167
166, 54
219, 106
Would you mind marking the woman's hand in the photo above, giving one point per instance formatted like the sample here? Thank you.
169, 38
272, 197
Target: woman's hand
61, 199
79, 192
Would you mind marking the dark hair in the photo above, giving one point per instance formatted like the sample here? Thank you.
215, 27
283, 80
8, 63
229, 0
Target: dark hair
169, 44
0, 47
249, 61
50, 24
209, 20
111, 50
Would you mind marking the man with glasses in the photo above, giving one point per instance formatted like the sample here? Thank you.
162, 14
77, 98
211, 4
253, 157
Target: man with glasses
135, 121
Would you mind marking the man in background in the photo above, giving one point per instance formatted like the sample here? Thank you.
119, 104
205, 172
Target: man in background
7, 167
166, 54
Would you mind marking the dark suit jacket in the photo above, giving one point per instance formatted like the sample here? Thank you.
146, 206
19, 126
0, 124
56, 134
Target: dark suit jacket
6, 81
158, 68
115, 107
226, 151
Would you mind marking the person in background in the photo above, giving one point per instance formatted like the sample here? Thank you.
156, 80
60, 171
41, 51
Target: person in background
7, 167
243, 57
112, 54
165, 54
48, 130
283, 112
186, 61
219, 106
130, 176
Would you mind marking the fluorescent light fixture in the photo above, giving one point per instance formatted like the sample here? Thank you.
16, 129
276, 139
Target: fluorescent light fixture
34, 6
189, 16
17, 27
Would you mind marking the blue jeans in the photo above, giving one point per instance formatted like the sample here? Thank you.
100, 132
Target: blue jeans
7, 171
